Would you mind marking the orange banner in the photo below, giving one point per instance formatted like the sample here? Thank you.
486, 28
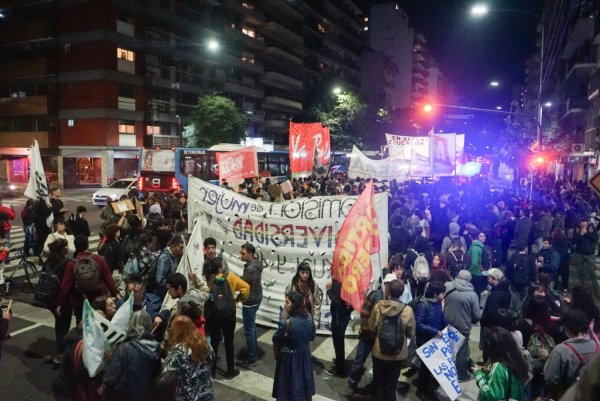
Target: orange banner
357, 240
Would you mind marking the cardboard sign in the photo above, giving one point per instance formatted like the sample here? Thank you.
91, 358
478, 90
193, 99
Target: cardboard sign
438, 355
122, 206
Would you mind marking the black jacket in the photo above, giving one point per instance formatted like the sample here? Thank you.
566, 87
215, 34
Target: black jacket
585, 244
495, 313
79, 226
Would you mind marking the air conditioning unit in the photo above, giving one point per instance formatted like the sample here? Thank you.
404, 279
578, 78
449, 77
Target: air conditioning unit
577, 148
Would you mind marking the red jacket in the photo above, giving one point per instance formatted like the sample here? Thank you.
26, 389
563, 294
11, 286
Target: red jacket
10, 212
68, 293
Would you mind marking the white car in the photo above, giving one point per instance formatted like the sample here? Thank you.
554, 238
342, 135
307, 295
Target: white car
115, 190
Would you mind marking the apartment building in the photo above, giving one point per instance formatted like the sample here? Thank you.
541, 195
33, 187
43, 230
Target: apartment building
93, 81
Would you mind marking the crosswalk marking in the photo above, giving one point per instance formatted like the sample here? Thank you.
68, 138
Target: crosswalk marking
325, 350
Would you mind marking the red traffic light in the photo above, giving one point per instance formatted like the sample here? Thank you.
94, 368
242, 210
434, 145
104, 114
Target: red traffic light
539, 160
427, 108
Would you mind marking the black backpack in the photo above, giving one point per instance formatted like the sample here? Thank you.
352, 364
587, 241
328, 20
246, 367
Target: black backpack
520, 276
391, 334
149, 274
459, 265
88, 279
221, 303
48, 287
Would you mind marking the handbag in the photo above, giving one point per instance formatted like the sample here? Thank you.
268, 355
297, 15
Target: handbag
277, 346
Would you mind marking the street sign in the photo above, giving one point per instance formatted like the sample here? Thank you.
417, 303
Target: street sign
595, 183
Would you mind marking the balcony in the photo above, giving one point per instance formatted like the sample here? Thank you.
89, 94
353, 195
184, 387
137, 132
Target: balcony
23, 106
582, 30
125, 28
240, 89
277, 52
278, 78
167, 141
252, 16
277, 102
279, 32
27, 68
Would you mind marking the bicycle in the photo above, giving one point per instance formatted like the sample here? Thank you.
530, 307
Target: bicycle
29, 268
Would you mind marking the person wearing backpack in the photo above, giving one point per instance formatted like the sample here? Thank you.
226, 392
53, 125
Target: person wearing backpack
462, 311
430, 323
453, 238
166, 264
551, 261
391, 323
584, 256
48, 288
476, 268
86, 276
78, 224
521, 271
495, 313
457, 258
418, 259
226, 290
568, 359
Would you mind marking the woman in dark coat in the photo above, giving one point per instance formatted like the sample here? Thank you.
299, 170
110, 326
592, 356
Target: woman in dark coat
135, 363
294, 379
57, 260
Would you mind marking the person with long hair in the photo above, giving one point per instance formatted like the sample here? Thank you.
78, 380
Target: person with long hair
438, 270
134, 364
110, 248
189, 357
60, 232
294, 379
57, 259
582, 299
505, 371
304, 283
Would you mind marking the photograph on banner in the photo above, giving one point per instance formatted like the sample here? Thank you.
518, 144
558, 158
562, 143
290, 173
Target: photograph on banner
439, 354
310, 149
158, 160
284, 234
444, 154
236, 165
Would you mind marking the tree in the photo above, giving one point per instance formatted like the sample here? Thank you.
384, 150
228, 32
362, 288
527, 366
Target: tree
216, 119
344, 120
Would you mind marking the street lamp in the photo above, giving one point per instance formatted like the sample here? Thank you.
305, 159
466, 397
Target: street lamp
480, 10
495, 84
337, 90
213, 45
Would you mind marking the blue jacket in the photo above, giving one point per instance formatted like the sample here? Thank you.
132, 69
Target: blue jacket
151, 304
430, 320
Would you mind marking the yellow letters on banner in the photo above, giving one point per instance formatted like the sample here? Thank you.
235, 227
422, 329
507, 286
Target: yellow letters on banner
350, 284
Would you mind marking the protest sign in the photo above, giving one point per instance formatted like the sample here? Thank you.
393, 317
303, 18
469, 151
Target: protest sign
284, 235
238, 164
310, 149
387, 169
438, 354
122, 206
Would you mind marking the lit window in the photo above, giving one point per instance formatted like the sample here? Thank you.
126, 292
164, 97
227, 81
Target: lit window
232, 26
247, 5
249, 32
321, 28
153, 130
125, 54
248, 58
397, 7
70, 122
366, 19
126, 129
366, 28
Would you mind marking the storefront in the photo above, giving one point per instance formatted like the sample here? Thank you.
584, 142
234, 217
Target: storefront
14, 165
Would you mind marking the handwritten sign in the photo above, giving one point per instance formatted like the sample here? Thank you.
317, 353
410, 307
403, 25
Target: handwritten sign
438, 355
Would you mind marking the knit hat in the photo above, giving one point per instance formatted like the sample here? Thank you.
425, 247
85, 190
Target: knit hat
464, 275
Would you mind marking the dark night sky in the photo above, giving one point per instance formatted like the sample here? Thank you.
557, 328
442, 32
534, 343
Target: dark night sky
472, 52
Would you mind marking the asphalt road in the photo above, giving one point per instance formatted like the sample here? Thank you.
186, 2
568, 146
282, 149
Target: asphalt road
27, 374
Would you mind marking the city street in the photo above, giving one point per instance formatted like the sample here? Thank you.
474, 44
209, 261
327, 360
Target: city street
26, 354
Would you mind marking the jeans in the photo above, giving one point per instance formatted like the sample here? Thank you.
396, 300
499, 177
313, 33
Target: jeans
462, 359
362, 352
586, 270
249, 317
385, 378
340, 317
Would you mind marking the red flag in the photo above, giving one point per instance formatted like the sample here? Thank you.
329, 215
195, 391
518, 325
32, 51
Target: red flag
310, 149
357, 240
238, 164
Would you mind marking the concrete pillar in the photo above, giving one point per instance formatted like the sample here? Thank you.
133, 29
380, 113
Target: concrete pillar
108, 166
61, 171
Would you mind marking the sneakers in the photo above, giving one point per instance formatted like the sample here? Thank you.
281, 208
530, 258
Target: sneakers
332, 371
246, 364
232, 374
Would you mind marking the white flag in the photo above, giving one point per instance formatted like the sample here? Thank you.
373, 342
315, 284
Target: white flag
37, 187
94, 341
192, 260
121, 318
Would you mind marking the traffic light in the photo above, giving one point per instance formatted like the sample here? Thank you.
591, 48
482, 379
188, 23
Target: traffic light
539, 160
428, 108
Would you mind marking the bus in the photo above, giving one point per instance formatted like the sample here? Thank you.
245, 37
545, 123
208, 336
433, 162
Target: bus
202, 163
157, 170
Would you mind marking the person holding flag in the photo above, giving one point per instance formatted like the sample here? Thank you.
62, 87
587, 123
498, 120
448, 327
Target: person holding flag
351, 269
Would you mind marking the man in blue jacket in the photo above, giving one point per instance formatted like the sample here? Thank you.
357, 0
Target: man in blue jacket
142, 300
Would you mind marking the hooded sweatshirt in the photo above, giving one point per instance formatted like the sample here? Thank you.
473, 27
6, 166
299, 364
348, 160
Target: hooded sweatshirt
387, 308
454, 229
252, 274
133, 367
461, 305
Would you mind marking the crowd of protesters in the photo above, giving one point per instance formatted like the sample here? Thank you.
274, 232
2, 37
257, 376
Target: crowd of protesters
461, 255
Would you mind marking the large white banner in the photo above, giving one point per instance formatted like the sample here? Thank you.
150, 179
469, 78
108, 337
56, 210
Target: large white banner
37, 187
387, 169
444, 154
284, 235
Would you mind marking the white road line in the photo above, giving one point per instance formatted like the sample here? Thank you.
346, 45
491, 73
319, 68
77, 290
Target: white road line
266, 338
25, 329
325, 350
257, 385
